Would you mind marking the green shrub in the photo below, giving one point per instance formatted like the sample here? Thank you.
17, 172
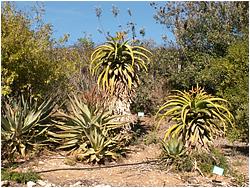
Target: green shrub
19, 177
151, 138
229, 78
29, 58
187, 162
23, 125
142, 103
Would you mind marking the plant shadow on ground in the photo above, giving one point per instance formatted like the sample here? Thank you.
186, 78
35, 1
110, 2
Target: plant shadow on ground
139, 129
233, 149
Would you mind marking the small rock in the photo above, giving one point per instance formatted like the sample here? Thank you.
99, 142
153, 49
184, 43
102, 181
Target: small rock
41, 162
50, 185
5, 183
31, 184
77, 184
41, 183
193, 180
102, 185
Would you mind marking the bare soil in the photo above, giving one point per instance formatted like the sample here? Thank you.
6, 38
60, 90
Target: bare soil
142, 175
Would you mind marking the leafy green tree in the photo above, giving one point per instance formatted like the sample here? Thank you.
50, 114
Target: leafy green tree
229, 76
212, 41
204, 26
30, 58
202, 30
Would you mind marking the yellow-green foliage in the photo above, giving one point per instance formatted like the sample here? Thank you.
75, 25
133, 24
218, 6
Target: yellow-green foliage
117, 61
198, 117
28, 60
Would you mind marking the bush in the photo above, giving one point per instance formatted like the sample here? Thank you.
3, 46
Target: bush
19, 177
230, 79
203, 161
142, 102
151, 138
29, 58
206, 161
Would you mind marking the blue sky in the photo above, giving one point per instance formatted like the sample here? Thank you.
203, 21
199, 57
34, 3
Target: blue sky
78, 17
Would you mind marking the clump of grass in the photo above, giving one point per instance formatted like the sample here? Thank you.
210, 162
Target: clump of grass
70, 161
151, 138
19, 177
205, 162
238, 179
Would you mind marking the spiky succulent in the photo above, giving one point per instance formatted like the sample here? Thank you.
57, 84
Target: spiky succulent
89, 132
198, 117
23, 125
117, 62
173, 148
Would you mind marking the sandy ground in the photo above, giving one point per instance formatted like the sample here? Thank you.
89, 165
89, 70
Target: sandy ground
143, 175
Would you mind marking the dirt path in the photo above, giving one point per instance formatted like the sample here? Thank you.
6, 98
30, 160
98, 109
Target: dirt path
148, 175
142, 175
138, 175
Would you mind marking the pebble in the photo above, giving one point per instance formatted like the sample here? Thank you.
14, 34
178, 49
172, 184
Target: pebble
102, 185
41, 183
77, 184
5, 183
41, 162
31, 184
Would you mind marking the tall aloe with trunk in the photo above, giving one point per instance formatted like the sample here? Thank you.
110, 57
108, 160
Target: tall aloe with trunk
117, 63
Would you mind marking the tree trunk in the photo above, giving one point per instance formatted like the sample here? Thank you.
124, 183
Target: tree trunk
120, 104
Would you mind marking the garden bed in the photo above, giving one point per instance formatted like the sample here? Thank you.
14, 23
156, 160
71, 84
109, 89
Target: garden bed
143, 174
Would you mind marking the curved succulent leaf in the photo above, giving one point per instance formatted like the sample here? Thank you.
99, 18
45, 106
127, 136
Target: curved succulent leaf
123, 60
198, 116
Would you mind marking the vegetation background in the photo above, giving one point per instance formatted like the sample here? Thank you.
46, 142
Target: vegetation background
211, 49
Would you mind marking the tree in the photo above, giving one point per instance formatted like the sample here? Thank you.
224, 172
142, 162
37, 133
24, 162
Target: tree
204, 26
129, 29
212, 40
30, 60
81, 52
229, 76
117, 65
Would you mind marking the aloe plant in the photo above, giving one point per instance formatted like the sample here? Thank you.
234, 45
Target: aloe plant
118, 62
198, 117
23, 125
89, 132
173, 148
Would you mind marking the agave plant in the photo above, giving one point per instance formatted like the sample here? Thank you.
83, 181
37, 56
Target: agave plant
198, 117
99, 146
118, 62
88, 130
23, 125
173, 148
